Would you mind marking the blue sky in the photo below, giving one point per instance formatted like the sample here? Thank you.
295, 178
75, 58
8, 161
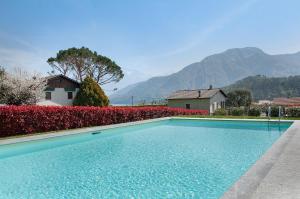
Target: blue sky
147, 38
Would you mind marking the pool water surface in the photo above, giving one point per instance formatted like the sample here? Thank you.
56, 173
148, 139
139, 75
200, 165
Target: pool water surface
174, 158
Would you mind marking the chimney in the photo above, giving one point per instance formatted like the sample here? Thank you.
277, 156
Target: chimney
210, 87
199, 93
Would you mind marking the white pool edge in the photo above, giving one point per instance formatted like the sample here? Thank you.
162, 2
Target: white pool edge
53, 134
231, 119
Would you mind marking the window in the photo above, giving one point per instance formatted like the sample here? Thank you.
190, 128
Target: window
70, 95
188, 106
222, 104
48, 96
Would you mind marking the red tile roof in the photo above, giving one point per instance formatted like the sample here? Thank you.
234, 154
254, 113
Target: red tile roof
295, 101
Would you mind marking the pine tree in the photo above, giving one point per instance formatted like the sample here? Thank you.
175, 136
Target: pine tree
90, 94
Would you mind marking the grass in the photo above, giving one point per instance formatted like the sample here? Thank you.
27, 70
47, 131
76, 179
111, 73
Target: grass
237, 117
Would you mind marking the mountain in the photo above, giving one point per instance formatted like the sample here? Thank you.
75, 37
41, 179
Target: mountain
263, 87
218, 70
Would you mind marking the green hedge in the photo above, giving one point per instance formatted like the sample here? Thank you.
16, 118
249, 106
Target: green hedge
293, 112
236, 111
254, 111
220, 111
275, 111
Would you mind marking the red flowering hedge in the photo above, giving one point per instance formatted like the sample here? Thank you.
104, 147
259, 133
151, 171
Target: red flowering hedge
17, 120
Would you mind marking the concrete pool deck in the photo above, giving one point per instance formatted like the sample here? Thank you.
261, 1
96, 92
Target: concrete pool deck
275, 175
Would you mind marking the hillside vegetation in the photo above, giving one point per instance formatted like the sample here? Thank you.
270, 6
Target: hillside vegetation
262, 87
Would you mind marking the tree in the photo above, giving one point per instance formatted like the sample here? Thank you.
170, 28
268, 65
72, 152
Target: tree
239, 98
82, 62
3, 86
90, 94
2, 72
21, 87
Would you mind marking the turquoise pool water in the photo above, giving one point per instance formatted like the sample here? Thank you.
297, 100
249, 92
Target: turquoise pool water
167, 159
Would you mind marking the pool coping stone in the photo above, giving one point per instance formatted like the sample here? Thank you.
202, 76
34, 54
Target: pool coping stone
52, 134
269, 177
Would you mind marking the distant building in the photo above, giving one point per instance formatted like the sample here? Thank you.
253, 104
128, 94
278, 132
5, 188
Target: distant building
281, 101
291, 102
264, 102
204, 99
60, 91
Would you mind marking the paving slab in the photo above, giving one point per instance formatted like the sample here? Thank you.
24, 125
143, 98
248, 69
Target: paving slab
276, 174
283, 180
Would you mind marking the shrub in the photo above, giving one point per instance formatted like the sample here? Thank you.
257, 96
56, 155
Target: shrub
90, 94
293, 112
220, 111
275, 111
236, 111
17, 120
254, 111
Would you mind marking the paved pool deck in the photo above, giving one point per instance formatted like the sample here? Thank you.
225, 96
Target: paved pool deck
275, 175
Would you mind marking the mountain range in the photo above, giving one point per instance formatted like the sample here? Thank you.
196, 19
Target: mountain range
218, 70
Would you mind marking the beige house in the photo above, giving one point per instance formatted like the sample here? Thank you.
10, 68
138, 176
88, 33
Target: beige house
204, 99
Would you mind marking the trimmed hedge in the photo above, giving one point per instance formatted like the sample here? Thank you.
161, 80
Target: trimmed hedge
236, 111
254, 111
19, 120
220, 111
293, 112
275, 111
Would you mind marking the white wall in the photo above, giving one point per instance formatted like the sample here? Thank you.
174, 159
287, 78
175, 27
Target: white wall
215, 101
58, 97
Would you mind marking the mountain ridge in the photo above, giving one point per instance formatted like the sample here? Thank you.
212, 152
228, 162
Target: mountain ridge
268, 88
219, 70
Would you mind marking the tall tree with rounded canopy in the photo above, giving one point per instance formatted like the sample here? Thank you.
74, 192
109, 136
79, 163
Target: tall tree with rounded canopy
82, 62
239, 98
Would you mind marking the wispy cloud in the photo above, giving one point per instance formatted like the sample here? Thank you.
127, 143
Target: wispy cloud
12, 58
218, 24
16, 52
196, 40
12, 41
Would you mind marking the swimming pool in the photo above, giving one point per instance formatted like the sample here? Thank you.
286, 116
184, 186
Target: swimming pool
173, 158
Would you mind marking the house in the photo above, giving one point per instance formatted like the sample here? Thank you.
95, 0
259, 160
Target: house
291, 102
60, 91
204, 99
